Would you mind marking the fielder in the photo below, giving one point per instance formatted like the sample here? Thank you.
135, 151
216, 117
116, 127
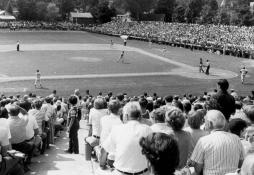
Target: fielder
243, 72
121, 57
38, 79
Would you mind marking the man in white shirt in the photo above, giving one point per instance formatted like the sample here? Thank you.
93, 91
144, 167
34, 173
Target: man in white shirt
124, 139
94, 122
218, 153
107, 123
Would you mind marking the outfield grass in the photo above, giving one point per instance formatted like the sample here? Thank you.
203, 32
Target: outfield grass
62, 63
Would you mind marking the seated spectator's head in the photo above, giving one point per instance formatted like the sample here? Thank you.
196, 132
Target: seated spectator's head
114, 106
161, 150
212, 104
131, 111
25, 105
238, 105
158, 115
99, 103
120, 97
223, 84
77, 92
249, 111
215, 120
48, 100
178, 104
38, 104
237, 126
3, 113
195, 119
175, 119
186, 106
13, 110
73, 100
143, 103
197, 106
169, 99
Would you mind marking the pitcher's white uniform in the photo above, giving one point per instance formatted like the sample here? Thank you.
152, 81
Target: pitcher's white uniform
38, 79
243, 72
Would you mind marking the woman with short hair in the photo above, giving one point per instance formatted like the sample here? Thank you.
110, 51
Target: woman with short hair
175, 119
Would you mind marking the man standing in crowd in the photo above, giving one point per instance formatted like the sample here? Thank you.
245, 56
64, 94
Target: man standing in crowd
125, 145
220, 152
73, 126
37, 79
225, 101
243, 72
207, 67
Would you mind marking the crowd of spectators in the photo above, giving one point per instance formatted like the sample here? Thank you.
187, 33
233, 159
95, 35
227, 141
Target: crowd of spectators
222, 39
211, 134
230, 40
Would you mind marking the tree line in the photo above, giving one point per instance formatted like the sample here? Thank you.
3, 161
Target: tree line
233, 12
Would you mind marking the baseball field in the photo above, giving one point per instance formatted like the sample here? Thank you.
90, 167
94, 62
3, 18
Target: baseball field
80, 60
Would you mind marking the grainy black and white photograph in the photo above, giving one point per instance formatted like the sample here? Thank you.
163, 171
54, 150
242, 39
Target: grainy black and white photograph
126, 87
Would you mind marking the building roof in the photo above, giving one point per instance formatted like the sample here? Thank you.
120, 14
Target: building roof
7, 17
80, 15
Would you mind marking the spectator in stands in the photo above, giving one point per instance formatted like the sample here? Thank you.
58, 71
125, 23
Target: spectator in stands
225, 101
195, 120
239, 113
18, 131
249, 135
8, 165
50, 114
158, 118
32, 129
125, 145
176, 120
107, 123
219, 152
41, 118
248, 165
73, 126
162, 153
168, 100
95, 115
143, 104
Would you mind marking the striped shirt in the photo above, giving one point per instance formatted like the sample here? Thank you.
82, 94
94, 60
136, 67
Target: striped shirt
219, 152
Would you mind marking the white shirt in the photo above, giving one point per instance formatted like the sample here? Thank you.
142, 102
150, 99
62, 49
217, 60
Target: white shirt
31, 126
219, 152
124, 142
107, 122
161, 127
4, 123
4, 140
95, 116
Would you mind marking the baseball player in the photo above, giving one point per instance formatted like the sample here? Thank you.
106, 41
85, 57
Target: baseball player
243, 72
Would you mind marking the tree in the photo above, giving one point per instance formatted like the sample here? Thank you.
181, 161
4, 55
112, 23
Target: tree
52, 12
66, 7
178, 15
27, 9
192, 12
41, 7
209, 11
135, 7
103, 13
166, 7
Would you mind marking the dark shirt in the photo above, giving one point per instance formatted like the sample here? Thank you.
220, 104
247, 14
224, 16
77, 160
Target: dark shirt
226, 103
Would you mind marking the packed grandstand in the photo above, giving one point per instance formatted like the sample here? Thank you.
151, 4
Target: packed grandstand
227, 40
209, 134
